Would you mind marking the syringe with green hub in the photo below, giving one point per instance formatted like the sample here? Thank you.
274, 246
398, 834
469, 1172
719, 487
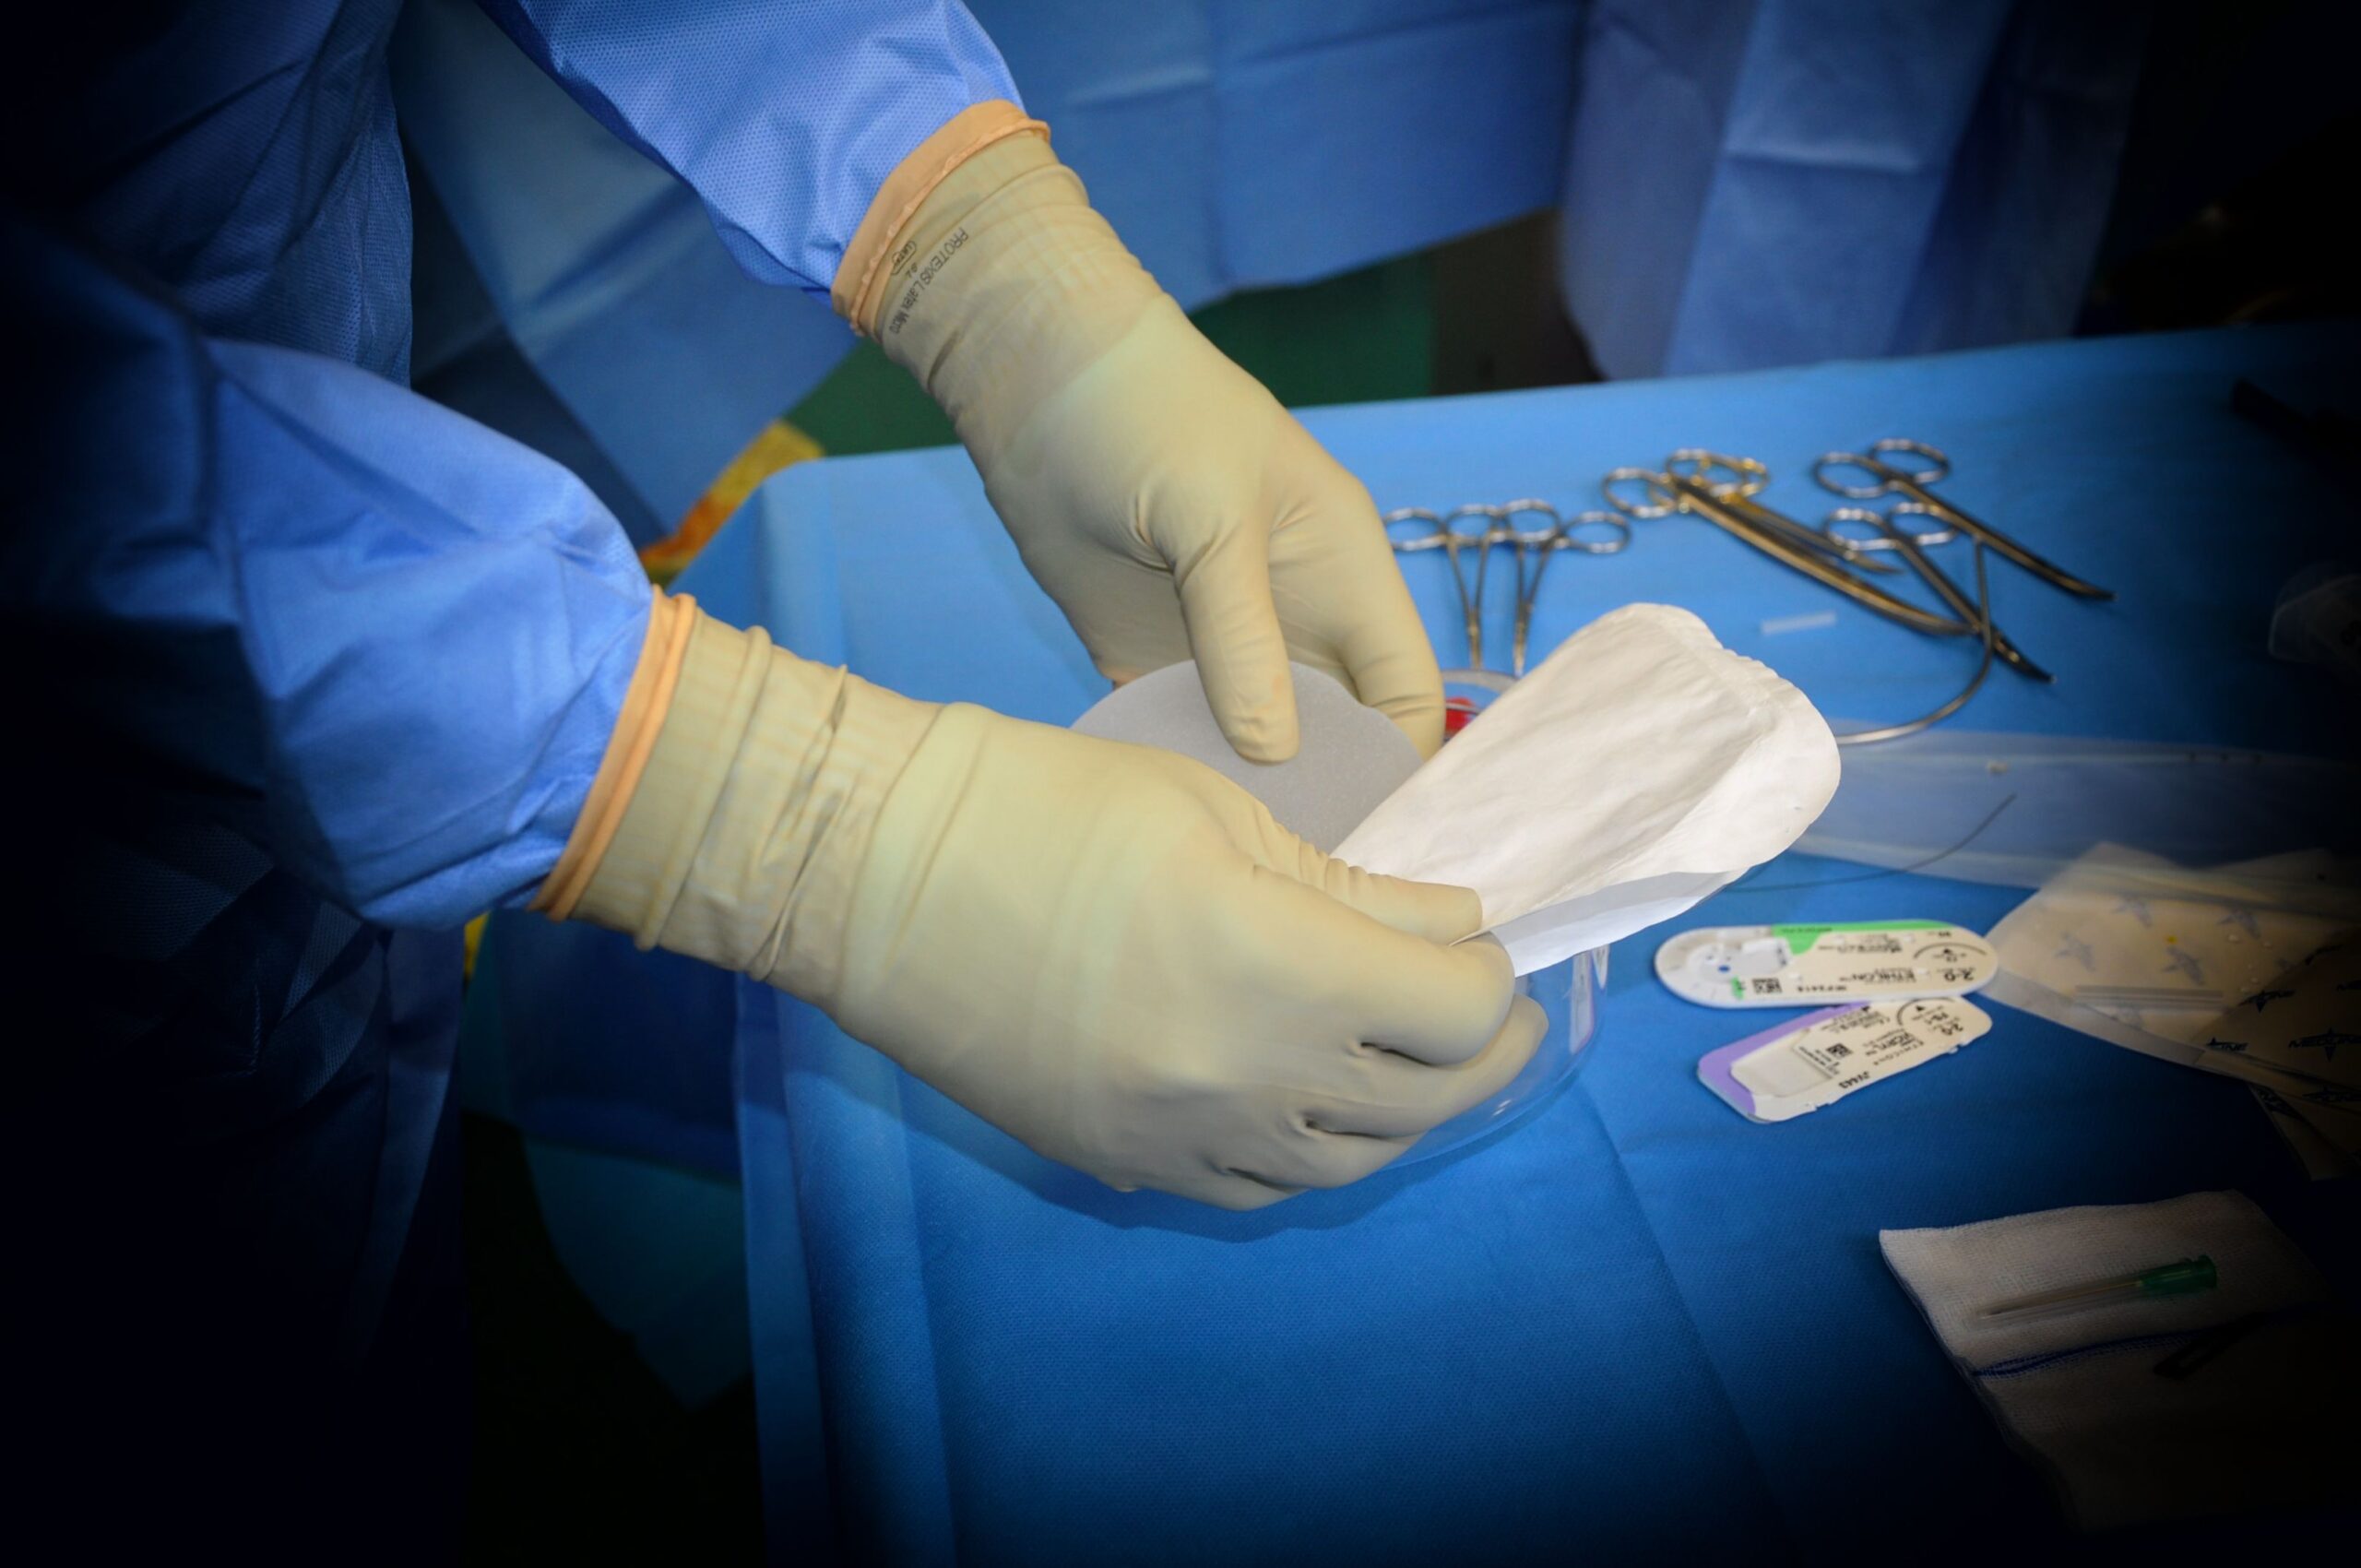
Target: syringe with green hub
2185, 1278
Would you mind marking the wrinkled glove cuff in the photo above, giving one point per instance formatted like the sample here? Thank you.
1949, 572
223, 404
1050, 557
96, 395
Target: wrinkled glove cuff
998, 287
736, 835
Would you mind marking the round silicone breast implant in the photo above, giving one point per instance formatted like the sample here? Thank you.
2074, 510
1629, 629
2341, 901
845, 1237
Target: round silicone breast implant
1351, 756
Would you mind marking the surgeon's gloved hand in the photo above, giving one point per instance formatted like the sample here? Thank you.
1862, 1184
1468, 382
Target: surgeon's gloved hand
1110, 952
1166, 501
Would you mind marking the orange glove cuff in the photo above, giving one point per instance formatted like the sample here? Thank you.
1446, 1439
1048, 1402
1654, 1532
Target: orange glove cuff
646, 701
860, 277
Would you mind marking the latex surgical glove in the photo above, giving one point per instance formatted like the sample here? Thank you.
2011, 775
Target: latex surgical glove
1161, 495
1110, 952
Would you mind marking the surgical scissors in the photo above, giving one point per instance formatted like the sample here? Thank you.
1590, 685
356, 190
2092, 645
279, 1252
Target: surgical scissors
1748, 476
1908, 545
1533, 547
1912, 486
1672, 492
1926, 539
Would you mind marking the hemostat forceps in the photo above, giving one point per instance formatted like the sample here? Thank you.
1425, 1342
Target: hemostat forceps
1912, 486
1671, 492
1480, 527
1449, 532
1535, 545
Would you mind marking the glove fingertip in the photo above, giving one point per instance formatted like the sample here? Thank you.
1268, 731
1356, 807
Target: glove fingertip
1263, 730
1448, 913
1423, 723
1526, 1024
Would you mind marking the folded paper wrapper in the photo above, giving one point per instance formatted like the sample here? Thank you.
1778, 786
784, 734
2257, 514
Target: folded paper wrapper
1636, 770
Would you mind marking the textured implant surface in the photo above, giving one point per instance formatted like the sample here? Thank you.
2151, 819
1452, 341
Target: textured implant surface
1351, 756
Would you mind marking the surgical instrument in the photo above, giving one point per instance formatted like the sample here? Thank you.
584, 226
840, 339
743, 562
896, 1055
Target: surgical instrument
1748, 476
1531, 549
1444, 533
1532, 546
1912, 486
1672, 492
1974, 683
1927, 539
1891, 536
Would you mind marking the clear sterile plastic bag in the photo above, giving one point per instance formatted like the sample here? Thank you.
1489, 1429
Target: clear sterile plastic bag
2242, 969
2163, 949
2016, 810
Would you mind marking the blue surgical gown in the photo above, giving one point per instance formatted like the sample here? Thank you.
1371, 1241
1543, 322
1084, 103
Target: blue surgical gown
314, 670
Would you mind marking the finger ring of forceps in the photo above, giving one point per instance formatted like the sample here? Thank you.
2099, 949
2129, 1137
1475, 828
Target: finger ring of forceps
1671, 492
1449, 532
1535, 545
1910, 485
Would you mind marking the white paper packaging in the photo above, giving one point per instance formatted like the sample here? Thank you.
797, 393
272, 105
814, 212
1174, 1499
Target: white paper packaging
1637, 769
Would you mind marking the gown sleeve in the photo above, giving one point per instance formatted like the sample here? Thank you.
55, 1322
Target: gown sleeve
383, 640
785, 116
